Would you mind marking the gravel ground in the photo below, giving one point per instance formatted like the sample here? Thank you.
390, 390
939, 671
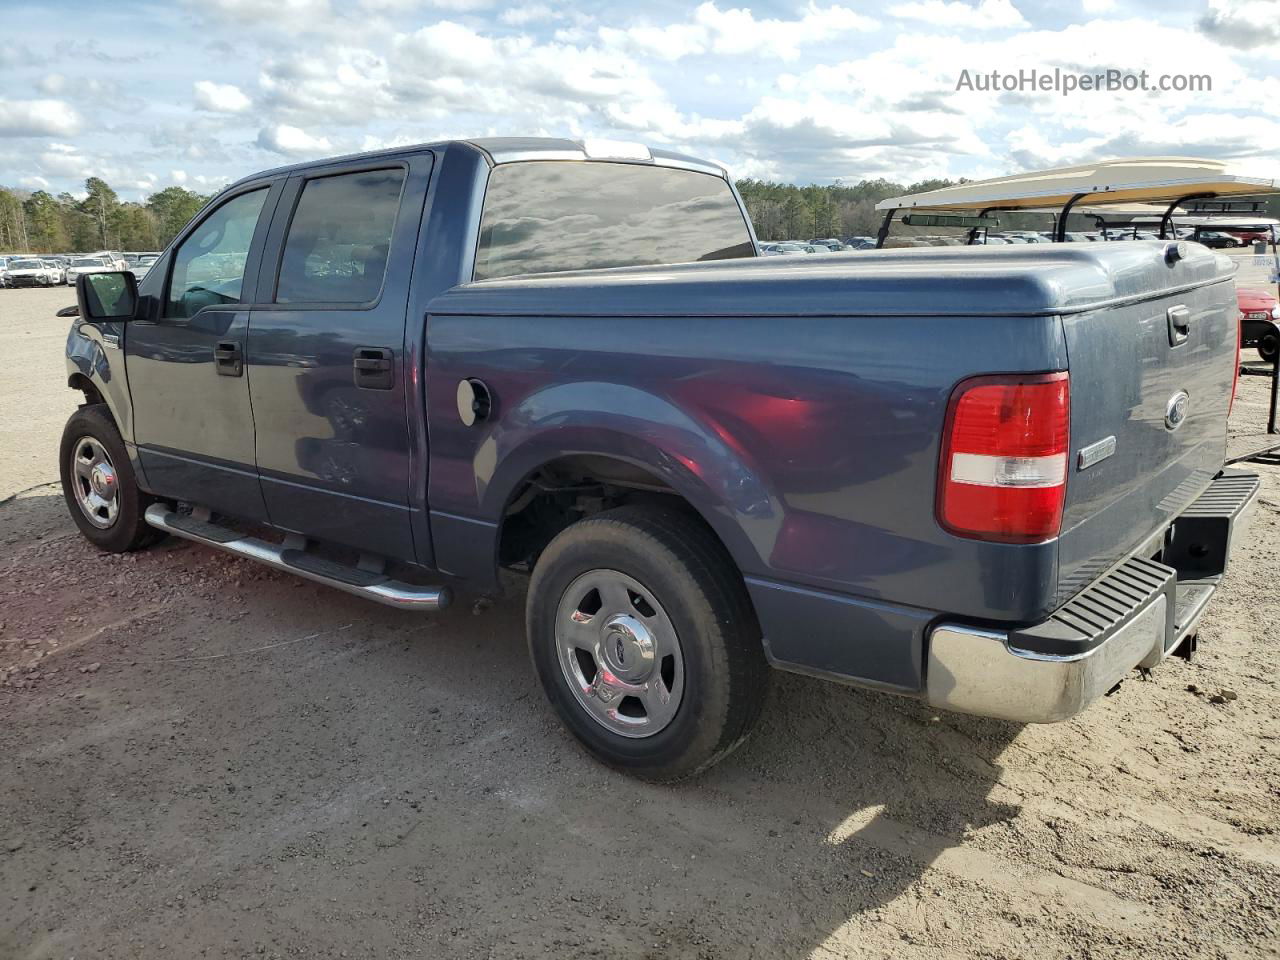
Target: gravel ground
206, 758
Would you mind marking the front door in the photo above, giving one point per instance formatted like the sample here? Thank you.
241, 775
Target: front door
192, 420
325, 355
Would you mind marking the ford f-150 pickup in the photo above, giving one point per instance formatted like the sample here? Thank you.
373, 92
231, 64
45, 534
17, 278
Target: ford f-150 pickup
988, 478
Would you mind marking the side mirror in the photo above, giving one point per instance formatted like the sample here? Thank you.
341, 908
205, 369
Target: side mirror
107, 296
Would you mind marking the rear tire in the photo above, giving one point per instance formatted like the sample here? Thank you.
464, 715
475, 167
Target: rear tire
645, 642
99, 485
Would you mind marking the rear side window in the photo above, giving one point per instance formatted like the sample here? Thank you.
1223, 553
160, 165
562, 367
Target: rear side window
548, 216
208, 268
339, 239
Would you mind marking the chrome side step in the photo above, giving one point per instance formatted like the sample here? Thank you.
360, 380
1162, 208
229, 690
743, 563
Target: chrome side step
287, 557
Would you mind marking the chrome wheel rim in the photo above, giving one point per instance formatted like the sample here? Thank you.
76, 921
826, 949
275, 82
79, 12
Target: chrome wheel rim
619, 653
94, 482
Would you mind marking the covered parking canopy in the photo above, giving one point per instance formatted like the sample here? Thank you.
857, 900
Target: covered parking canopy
1142, 180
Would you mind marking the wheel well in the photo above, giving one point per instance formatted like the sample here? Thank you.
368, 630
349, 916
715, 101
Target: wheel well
568, 489
78, 381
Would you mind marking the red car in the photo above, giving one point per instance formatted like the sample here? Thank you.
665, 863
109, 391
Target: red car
1250, 237
1259, 314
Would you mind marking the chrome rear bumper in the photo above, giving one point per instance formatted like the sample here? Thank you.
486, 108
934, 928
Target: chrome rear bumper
1135, 615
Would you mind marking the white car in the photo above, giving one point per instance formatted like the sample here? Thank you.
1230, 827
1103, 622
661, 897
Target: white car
30, 273
59, 271
139, 264
88, 265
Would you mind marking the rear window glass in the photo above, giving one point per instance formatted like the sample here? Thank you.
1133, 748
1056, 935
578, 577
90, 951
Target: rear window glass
339, 239
550, 216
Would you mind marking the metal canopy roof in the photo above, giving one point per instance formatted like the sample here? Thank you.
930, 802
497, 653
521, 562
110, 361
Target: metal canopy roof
1135, 180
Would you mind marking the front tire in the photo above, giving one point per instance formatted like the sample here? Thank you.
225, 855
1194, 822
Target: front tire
645, 642
1268, 346
99, 485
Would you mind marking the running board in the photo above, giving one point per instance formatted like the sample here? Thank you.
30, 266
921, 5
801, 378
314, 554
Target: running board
354, 580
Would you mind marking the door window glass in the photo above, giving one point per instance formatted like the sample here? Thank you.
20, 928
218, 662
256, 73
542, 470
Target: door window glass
208, 268
336, 251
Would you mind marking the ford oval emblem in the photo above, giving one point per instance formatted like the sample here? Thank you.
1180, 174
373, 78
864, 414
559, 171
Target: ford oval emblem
1176, 410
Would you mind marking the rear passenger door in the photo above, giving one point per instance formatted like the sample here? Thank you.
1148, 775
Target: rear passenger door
326, 351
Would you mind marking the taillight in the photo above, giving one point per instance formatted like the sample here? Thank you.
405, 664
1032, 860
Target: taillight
1003, 473
1235, 381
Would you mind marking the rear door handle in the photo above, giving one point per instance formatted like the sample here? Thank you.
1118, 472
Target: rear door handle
372, 368
228, 358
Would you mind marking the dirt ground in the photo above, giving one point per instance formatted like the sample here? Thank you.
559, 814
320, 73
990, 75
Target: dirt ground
203, 758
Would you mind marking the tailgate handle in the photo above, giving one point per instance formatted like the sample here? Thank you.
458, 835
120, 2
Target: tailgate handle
1179, 324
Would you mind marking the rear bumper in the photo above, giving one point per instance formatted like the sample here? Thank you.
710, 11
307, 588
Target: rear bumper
1132, 616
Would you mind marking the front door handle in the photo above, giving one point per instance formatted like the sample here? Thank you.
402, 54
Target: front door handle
228, 358
372, 368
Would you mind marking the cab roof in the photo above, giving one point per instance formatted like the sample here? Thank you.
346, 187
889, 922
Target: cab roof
499, 150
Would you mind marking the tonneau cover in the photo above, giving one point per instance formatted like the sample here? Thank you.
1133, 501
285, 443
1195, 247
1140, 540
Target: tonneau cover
1037, 279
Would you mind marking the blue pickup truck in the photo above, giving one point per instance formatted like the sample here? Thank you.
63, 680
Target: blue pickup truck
991, 479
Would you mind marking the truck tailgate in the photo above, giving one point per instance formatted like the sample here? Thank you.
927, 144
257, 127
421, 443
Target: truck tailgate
1141, 450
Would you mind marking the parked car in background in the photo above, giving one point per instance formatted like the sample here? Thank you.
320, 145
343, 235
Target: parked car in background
1248, 238
58, 267
32, 273
1259, 312
785, 248
1213, 238
141, 263
81, 265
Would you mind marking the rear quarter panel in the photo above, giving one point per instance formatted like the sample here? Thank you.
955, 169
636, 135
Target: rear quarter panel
810, 444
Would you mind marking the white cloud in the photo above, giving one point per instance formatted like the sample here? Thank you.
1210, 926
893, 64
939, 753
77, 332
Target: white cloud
292, 141
530, 13
38, 118
1246, 24
1097, 6
986, 15
64, 160
243, 12
736, 32
52, 84
220, 97
34, 183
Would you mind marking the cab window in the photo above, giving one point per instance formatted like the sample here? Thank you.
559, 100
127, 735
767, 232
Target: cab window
208, 268
339, 238
547, 216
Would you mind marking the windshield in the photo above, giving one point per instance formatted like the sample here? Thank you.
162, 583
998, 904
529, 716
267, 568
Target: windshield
546, 216
88, 263
26, 265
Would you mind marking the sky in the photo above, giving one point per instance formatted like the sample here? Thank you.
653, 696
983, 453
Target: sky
198, 93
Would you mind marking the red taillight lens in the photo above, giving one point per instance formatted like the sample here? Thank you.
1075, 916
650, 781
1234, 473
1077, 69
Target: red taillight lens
1004, 458
1235, 380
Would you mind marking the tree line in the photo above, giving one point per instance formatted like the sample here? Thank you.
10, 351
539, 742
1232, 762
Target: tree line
39, 222
783, 211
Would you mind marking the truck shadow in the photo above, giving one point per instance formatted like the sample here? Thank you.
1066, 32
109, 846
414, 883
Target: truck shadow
869, 793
